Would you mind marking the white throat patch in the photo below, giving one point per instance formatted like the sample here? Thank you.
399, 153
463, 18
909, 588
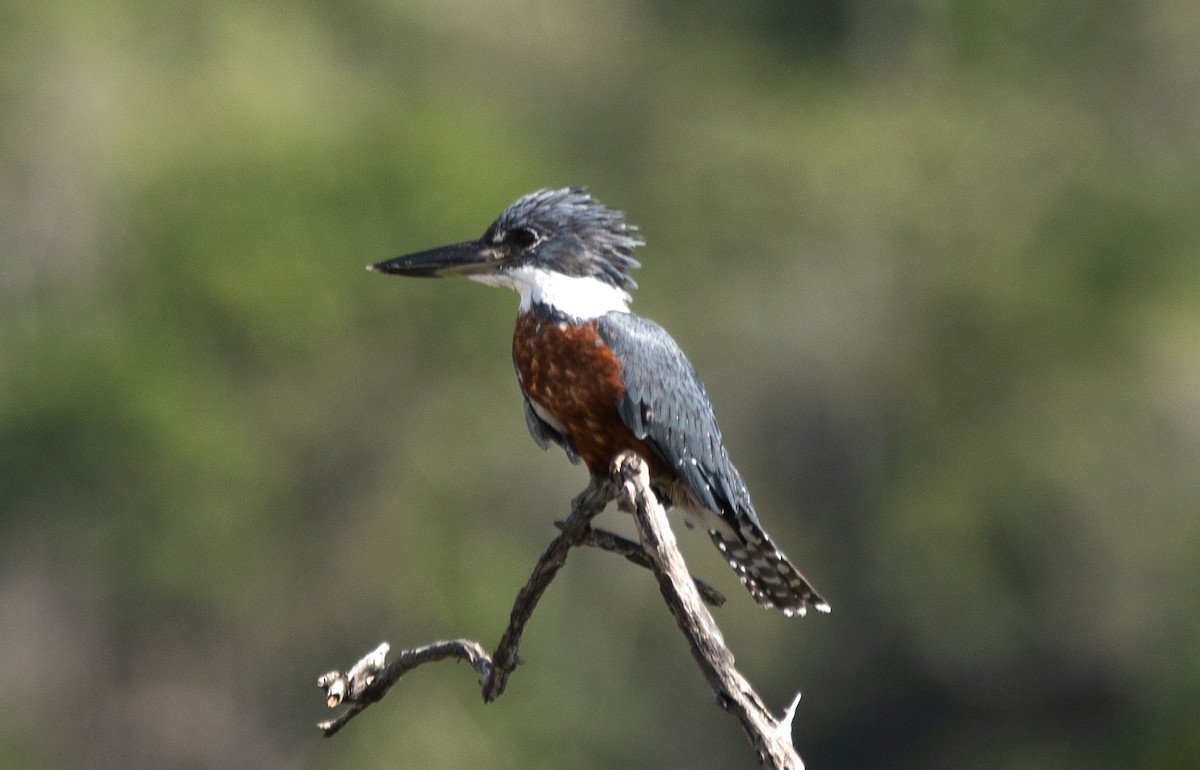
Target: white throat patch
571, 295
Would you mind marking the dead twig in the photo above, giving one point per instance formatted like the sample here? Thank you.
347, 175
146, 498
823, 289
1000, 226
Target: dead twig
770, 736
633, 552
370, 678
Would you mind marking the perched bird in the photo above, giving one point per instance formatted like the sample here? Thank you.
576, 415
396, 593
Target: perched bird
599, 380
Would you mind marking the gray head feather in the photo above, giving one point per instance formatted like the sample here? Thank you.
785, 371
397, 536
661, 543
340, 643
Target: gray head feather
576, 234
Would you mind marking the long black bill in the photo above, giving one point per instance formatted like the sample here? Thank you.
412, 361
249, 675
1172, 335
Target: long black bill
467, 258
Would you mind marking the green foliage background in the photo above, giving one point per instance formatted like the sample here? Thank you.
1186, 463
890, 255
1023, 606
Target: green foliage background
936, 259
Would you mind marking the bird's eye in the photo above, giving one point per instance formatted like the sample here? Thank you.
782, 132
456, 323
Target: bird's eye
522, 237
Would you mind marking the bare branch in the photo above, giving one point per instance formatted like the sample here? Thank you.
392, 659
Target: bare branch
633, 552
586, 505
771, 737
369, 679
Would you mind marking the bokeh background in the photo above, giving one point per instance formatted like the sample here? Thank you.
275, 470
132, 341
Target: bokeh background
937, 261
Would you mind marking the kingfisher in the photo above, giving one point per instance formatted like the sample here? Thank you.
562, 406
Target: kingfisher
598, 379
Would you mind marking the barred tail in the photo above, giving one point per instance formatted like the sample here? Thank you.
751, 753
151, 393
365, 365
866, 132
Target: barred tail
772, 580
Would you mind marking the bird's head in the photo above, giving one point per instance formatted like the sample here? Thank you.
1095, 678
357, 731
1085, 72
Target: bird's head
559, 248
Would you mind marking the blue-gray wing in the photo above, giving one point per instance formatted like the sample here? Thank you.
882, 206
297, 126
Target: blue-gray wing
666, 406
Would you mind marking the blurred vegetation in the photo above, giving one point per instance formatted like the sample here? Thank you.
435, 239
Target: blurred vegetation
937, 262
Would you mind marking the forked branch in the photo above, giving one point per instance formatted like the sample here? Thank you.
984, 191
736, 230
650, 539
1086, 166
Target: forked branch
370, 679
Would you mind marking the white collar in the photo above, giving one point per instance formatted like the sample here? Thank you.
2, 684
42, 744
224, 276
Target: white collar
574, 296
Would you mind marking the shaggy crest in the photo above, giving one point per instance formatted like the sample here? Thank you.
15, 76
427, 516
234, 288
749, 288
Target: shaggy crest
574, 232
